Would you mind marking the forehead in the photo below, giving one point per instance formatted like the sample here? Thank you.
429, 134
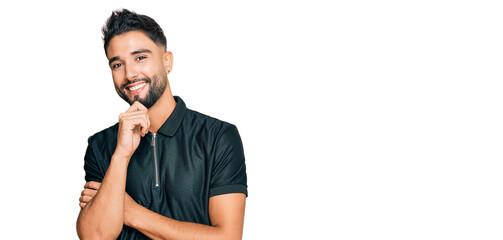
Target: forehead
128, 42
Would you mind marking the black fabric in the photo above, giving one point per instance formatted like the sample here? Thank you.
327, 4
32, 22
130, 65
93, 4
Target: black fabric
198, 157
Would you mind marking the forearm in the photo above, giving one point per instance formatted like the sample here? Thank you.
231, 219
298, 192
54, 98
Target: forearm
156, 226
102, 217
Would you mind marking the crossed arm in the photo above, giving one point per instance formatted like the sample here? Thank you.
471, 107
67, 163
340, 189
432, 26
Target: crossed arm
226, 214
106, 207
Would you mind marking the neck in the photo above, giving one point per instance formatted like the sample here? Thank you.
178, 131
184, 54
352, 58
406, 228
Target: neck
161, 110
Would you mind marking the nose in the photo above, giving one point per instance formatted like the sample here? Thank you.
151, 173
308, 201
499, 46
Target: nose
131, 72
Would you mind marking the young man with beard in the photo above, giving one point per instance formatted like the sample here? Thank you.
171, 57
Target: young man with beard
163, 171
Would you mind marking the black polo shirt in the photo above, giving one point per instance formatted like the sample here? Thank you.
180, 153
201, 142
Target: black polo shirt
175, 171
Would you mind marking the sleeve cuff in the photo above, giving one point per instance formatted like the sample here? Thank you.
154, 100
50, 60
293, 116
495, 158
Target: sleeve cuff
236, 188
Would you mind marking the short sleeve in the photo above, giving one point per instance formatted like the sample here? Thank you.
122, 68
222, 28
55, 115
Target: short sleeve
94, 172
229, 169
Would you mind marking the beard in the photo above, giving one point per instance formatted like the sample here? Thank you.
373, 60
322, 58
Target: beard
155, 91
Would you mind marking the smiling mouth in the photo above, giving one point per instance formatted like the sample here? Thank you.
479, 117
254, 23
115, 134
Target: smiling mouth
136, 88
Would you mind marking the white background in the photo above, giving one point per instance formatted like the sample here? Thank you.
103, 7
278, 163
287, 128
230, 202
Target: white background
360, 119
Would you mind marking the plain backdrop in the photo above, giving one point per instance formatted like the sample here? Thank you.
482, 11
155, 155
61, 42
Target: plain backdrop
360, 119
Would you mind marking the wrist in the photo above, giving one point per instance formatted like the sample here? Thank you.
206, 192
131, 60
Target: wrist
120, 157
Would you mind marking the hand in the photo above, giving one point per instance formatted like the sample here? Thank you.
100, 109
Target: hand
90, 190
133, 124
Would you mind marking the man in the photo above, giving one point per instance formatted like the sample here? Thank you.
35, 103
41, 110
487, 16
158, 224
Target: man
163, 171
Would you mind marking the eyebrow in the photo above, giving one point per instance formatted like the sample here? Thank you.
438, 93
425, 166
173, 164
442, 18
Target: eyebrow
141, 51
132, 53
112, 59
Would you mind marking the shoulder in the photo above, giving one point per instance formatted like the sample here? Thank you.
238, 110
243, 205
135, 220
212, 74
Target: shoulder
207, 123
219, 136
104, 136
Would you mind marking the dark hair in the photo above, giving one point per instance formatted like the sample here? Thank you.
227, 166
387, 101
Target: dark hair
122, 21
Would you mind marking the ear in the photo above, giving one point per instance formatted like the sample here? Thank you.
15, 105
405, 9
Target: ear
167, 59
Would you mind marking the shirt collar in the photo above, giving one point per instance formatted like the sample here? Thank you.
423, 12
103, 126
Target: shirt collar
174, 121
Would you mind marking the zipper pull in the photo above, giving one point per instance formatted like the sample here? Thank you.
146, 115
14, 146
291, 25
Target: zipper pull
153, 139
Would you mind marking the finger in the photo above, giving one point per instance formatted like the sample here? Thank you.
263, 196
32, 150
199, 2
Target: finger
145, 130
132, 122
92, 185
85, 199
82, 205
138, 114
89, 192
134, 113
137, 106
143, 114
148, 123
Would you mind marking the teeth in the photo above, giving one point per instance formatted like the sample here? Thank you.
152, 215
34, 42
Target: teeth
137, 87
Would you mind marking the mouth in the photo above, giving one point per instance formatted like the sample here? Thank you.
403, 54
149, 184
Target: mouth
135, 88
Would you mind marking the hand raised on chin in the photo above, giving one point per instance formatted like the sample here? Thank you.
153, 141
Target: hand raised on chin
133, 124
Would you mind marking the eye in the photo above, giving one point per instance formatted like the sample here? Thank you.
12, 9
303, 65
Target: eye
116, 65
139, 58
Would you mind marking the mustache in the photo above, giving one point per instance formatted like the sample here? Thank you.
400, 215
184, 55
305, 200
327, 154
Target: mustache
145, 79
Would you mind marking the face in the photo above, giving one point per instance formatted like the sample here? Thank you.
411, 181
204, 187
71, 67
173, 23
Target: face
139, 67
